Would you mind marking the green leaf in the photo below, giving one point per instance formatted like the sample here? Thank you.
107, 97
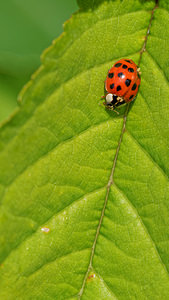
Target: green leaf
84, 192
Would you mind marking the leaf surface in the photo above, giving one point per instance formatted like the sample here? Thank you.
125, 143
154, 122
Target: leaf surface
84, 192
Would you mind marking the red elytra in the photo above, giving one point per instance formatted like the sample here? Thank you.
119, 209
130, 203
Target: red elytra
122, 83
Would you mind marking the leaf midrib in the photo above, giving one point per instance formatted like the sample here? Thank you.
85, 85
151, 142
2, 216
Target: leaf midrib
31, 82
75, 137
112, 182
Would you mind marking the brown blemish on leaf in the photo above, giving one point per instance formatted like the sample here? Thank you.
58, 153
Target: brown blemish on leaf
91, 277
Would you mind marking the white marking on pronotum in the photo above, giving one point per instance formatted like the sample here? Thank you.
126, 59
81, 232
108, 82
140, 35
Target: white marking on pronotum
109, 98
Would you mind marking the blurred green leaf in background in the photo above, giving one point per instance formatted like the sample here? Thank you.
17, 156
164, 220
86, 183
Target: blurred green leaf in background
26, 29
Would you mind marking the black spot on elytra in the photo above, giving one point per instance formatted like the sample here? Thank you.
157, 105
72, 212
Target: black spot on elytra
118, 88
117, 65
111, 75
124, 66
121, 75
129, 61
131, 70
127, 82
112, 85
134, 86
131, 97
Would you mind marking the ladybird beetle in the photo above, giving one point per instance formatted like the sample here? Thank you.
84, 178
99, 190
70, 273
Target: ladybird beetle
122, 83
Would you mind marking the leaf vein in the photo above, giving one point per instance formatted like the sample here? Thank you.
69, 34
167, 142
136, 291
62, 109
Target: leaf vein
60, 144
110, 182
145, 229
30, 83
148, 155
162, 137
54, 260
106, 285
158, 66
48, 219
